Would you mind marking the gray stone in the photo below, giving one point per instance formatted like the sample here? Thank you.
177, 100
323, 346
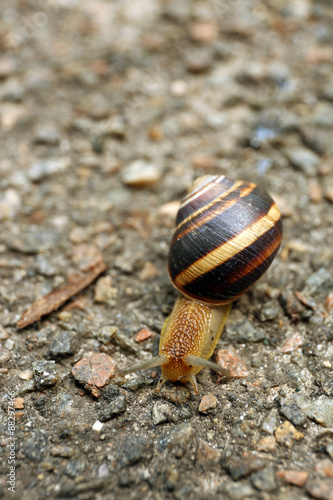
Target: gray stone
41, 169
34, 447
321, 411
269, 310
264, 480
303, 159
160, 413
115, 408
295, 409
62, 344
245, 466
319, 281
75, 467
45, 374
238, 490
178, 436
239, 329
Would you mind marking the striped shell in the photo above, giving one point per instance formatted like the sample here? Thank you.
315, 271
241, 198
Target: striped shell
228, 233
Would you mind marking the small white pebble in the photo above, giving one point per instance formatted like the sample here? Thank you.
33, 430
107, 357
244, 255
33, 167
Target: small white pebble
97, 426
327, 363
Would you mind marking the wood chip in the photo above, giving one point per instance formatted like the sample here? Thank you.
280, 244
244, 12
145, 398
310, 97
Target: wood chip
53, 300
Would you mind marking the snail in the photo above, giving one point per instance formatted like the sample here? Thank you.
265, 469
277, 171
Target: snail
227, 235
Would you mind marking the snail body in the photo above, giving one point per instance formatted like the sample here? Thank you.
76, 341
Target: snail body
227, 235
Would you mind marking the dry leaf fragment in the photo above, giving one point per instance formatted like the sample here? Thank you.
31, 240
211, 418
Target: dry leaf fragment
53, 300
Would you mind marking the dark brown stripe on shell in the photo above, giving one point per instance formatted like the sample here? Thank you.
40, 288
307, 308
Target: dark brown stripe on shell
231, 279
222, 228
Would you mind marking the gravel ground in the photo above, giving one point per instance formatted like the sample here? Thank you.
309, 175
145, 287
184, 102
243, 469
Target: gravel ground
108, 111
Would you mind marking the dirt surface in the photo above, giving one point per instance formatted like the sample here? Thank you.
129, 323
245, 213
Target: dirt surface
108, 111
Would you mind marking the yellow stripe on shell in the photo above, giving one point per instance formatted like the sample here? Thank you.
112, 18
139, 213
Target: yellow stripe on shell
229, 249
211, 214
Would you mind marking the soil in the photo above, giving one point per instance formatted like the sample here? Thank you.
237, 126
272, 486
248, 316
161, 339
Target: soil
108, 112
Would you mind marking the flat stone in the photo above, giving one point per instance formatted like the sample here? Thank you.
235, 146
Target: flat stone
93, 371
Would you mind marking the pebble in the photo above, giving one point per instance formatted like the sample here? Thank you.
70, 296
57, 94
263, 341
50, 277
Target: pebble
303, 159
292, 343
135, 449
179, 436
294, 477
269, 311
47, 134
45, 374
141, 173
62, 451
203, 161
204, 31
245, 466
98, 426
286, 434
3, 333
93, 371
124, 342
240, 330
208, 402
9, 344
324, 468
62, 344
33, 239
160, 413
106, 333
8, 66
264, 480
323, 115
26, 374
116, 407
143, 334
41, 169
199, 61
238, 491
231, 362
206, 455
319, 281
75, 467
323, 490
295, 409
104, 291
103, 471
267, 443
34, 447
43, 266
10, 204
321, 411
19, 403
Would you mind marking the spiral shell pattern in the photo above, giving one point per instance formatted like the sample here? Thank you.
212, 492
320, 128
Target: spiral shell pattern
228, 233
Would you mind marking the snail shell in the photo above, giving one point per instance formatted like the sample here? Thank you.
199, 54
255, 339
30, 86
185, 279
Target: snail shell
227, 235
